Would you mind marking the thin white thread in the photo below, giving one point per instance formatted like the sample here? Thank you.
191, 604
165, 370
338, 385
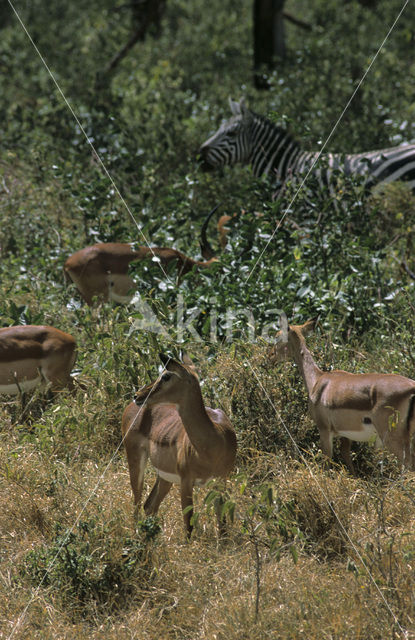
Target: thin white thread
326, 497
327, 140
249, 275
89, 141
52, 562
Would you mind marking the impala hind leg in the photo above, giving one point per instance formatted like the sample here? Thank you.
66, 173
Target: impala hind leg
221, 519
58, 369
157, 494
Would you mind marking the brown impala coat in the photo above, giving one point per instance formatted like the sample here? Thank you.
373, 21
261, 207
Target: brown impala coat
186, 442
102, 269
31, 354
353, 406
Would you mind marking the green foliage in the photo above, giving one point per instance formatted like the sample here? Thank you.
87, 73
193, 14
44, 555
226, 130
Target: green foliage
326, 258
333, 253
89, 568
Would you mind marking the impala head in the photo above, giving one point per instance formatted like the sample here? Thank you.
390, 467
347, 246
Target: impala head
230, 143
281, 350
172, 384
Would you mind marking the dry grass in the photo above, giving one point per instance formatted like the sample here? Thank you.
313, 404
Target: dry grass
326, 557
208, 589
310, 554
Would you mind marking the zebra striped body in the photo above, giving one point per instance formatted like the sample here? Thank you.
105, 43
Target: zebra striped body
252, 139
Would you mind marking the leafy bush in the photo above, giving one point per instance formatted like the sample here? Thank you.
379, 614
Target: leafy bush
92, 570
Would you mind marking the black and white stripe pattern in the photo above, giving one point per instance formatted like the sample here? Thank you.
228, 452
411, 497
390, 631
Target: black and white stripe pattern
252, 139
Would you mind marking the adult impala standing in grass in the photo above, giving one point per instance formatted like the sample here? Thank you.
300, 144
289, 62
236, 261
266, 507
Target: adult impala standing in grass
33, 354
352, 406
186, 442
102, 269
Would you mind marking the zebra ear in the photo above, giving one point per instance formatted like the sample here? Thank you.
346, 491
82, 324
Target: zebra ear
284, 327
242, 106
244, 111
235, 107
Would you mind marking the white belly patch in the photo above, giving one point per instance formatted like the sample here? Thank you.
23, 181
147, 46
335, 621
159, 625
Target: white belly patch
170, 477
366, 434
117, 298
24, 385
175, 478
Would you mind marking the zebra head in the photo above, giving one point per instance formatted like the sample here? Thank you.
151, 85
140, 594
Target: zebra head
231, 142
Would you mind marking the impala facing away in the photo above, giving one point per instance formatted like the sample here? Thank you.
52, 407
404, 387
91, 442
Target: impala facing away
33, 354
352, 406
186, 442
102, 269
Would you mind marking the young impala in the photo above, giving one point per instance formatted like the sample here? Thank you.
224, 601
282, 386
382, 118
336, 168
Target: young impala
186, 442
352, 406
102, 269
32, 354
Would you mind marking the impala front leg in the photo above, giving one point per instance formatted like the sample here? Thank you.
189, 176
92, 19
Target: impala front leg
345, 446
326, 442
186, 494
137, 459
221, 519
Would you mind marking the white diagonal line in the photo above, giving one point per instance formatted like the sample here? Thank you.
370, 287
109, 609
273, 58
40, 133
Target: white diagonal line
345, 533
88, 500
328, 139
96, 154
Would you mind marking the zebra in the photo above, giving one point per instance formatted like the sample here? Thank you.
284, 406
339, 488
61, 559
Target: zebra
253, 139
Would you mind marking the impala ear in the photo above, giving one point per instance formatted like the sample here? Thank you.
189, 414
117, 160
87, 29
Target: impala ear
164, 358
284, 327
170, 363
186, 359
309, 326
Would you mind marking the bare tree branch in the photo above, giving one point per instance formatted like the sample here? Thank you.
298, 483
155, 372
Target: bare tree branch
145, 14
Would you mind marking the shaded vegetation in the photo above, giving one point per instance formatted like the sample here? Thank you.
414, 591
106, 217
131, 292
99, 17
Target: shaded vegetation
309, 553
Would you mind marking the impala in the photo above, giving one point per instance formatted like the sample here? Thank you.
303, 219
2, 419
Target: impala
186, 442
32, 354
102, 269
353, 406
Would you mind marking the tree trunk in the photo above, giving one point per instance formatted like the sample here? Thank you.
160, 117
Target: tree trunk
146, 15
269, 37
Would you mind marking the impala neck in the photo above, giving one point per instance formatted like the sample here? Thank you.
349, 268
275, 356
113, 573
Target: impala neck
199, 427
304, 360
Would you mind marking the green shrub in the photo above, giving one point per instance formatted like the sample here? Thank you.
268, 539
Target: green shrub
91, 569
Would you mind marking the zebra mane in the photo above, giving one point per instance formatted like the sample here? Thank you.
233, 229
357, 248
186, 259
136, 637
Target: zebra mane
269, 155
279, 129
271, 149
